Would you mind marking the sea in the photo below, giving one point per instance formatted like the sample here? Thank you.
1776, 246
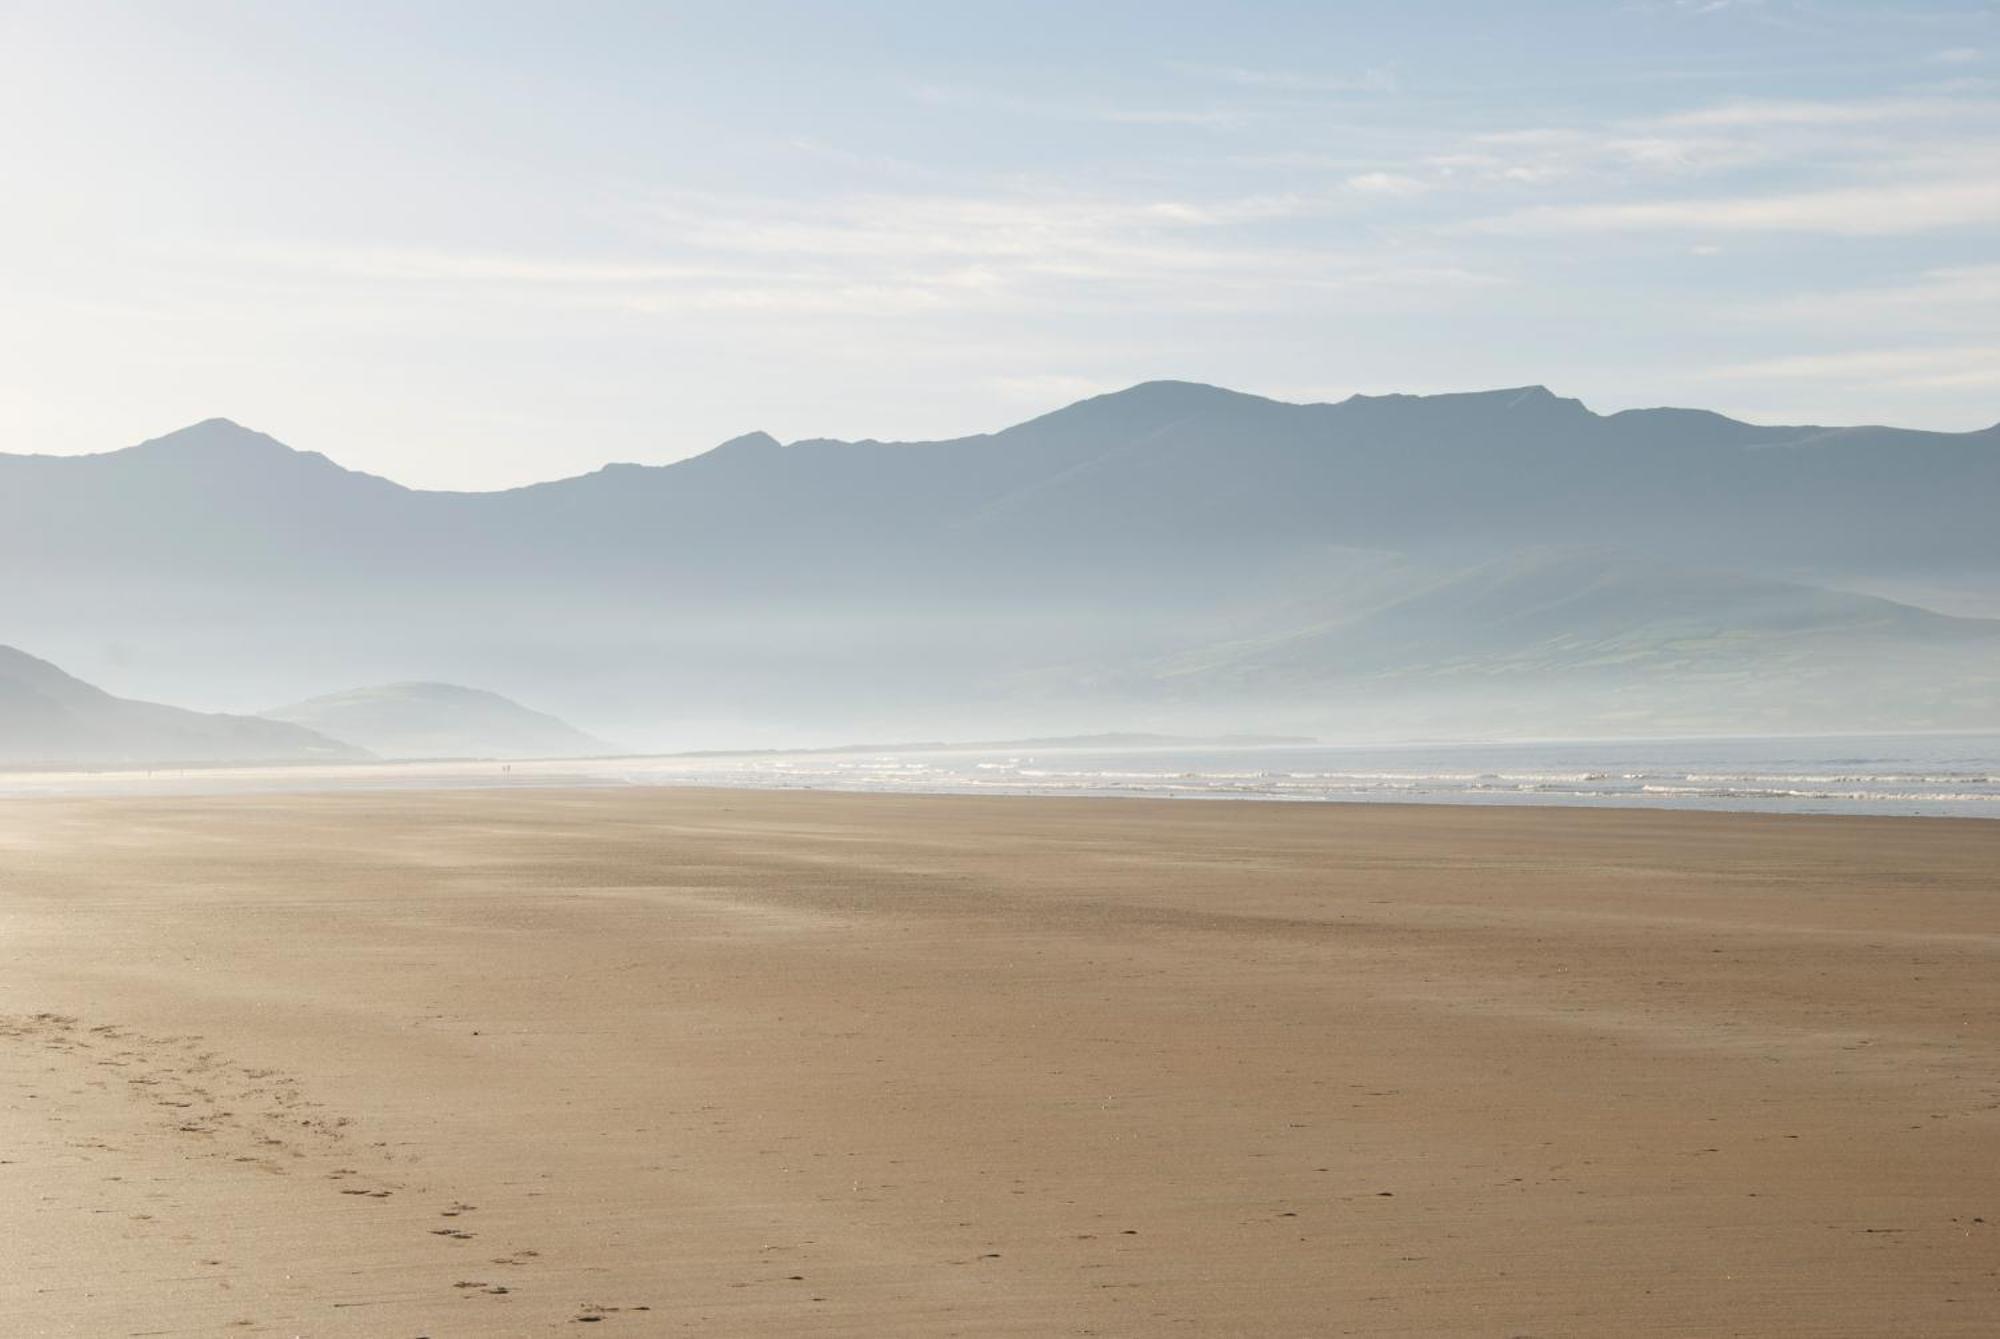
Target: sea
1948, 775
1939, 775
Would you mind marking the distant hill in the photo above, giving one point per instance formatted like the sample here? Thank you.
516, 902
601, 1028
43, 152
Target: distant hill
1103, 567
47, 716
440, 720
1598, 637
1550, 612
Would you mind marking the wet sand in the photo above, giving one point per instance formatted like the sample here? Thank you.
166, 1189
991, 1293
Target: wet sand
691, 1062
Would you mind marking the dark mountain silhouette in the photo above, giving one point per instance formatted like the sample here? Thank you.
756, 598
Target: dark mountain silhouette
47, 716
440, 720
877, 587
1181, 470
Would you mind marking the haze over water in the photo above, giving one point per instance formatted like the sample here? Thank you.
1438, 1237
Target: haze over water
1926, 775
1938, 775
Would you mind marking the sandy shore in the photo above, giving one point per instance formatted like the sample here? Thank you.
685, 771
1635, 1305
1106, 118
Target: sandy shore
666, 1062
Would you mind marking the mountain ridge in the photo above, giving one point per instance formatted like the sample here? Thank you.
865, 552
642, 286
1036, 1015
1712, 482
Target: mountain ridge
1161, 403
838, 585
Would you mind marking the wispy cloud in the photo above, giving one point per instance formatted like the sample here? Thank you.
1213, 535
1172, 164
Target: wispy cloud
1959, 299
1855, 211
1862, 167
1055, 247
1805, 112
1379, 80
1546, 156
1213, 118
1902, 369
420, 265
899, 254
1209, 116
1386, 183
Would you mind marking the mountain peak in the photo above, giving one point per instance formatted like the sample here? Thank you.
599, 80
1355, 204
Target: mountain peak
1502, 398
746, 446
1175, 394
216, 435
221, 449
751, 441
1142, 408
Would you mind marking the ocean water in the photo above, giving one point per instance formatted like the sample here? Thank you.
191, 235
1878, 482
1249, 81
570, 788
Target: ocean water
1940, 775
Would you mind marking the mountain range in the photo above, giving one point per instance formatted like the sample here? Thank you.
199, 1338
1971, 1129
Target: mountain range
1173, 556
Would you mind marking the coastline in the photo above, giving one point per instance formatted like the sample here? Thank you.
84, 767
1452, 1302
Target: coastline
1955, 774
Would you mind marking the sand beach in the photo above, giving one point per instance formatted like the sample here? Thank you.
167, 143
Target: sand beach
675, 1061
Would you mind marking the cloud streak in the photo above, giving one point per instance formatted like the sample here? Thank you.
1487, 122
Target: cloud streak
900, 255
1855, 211
1947, 297
1901, 369
1290, 81
1765, 114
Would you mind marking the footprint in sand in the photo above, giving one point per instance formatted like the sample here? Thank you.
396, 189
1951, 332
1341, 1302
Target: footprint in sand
591, 1314
200, 1087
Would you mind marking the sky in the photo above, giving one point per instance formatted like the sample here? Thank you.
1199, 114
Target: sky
473, 245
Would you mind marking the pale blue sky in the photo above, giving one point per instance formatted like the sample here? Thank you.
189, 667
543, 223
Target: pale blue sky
475, 244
